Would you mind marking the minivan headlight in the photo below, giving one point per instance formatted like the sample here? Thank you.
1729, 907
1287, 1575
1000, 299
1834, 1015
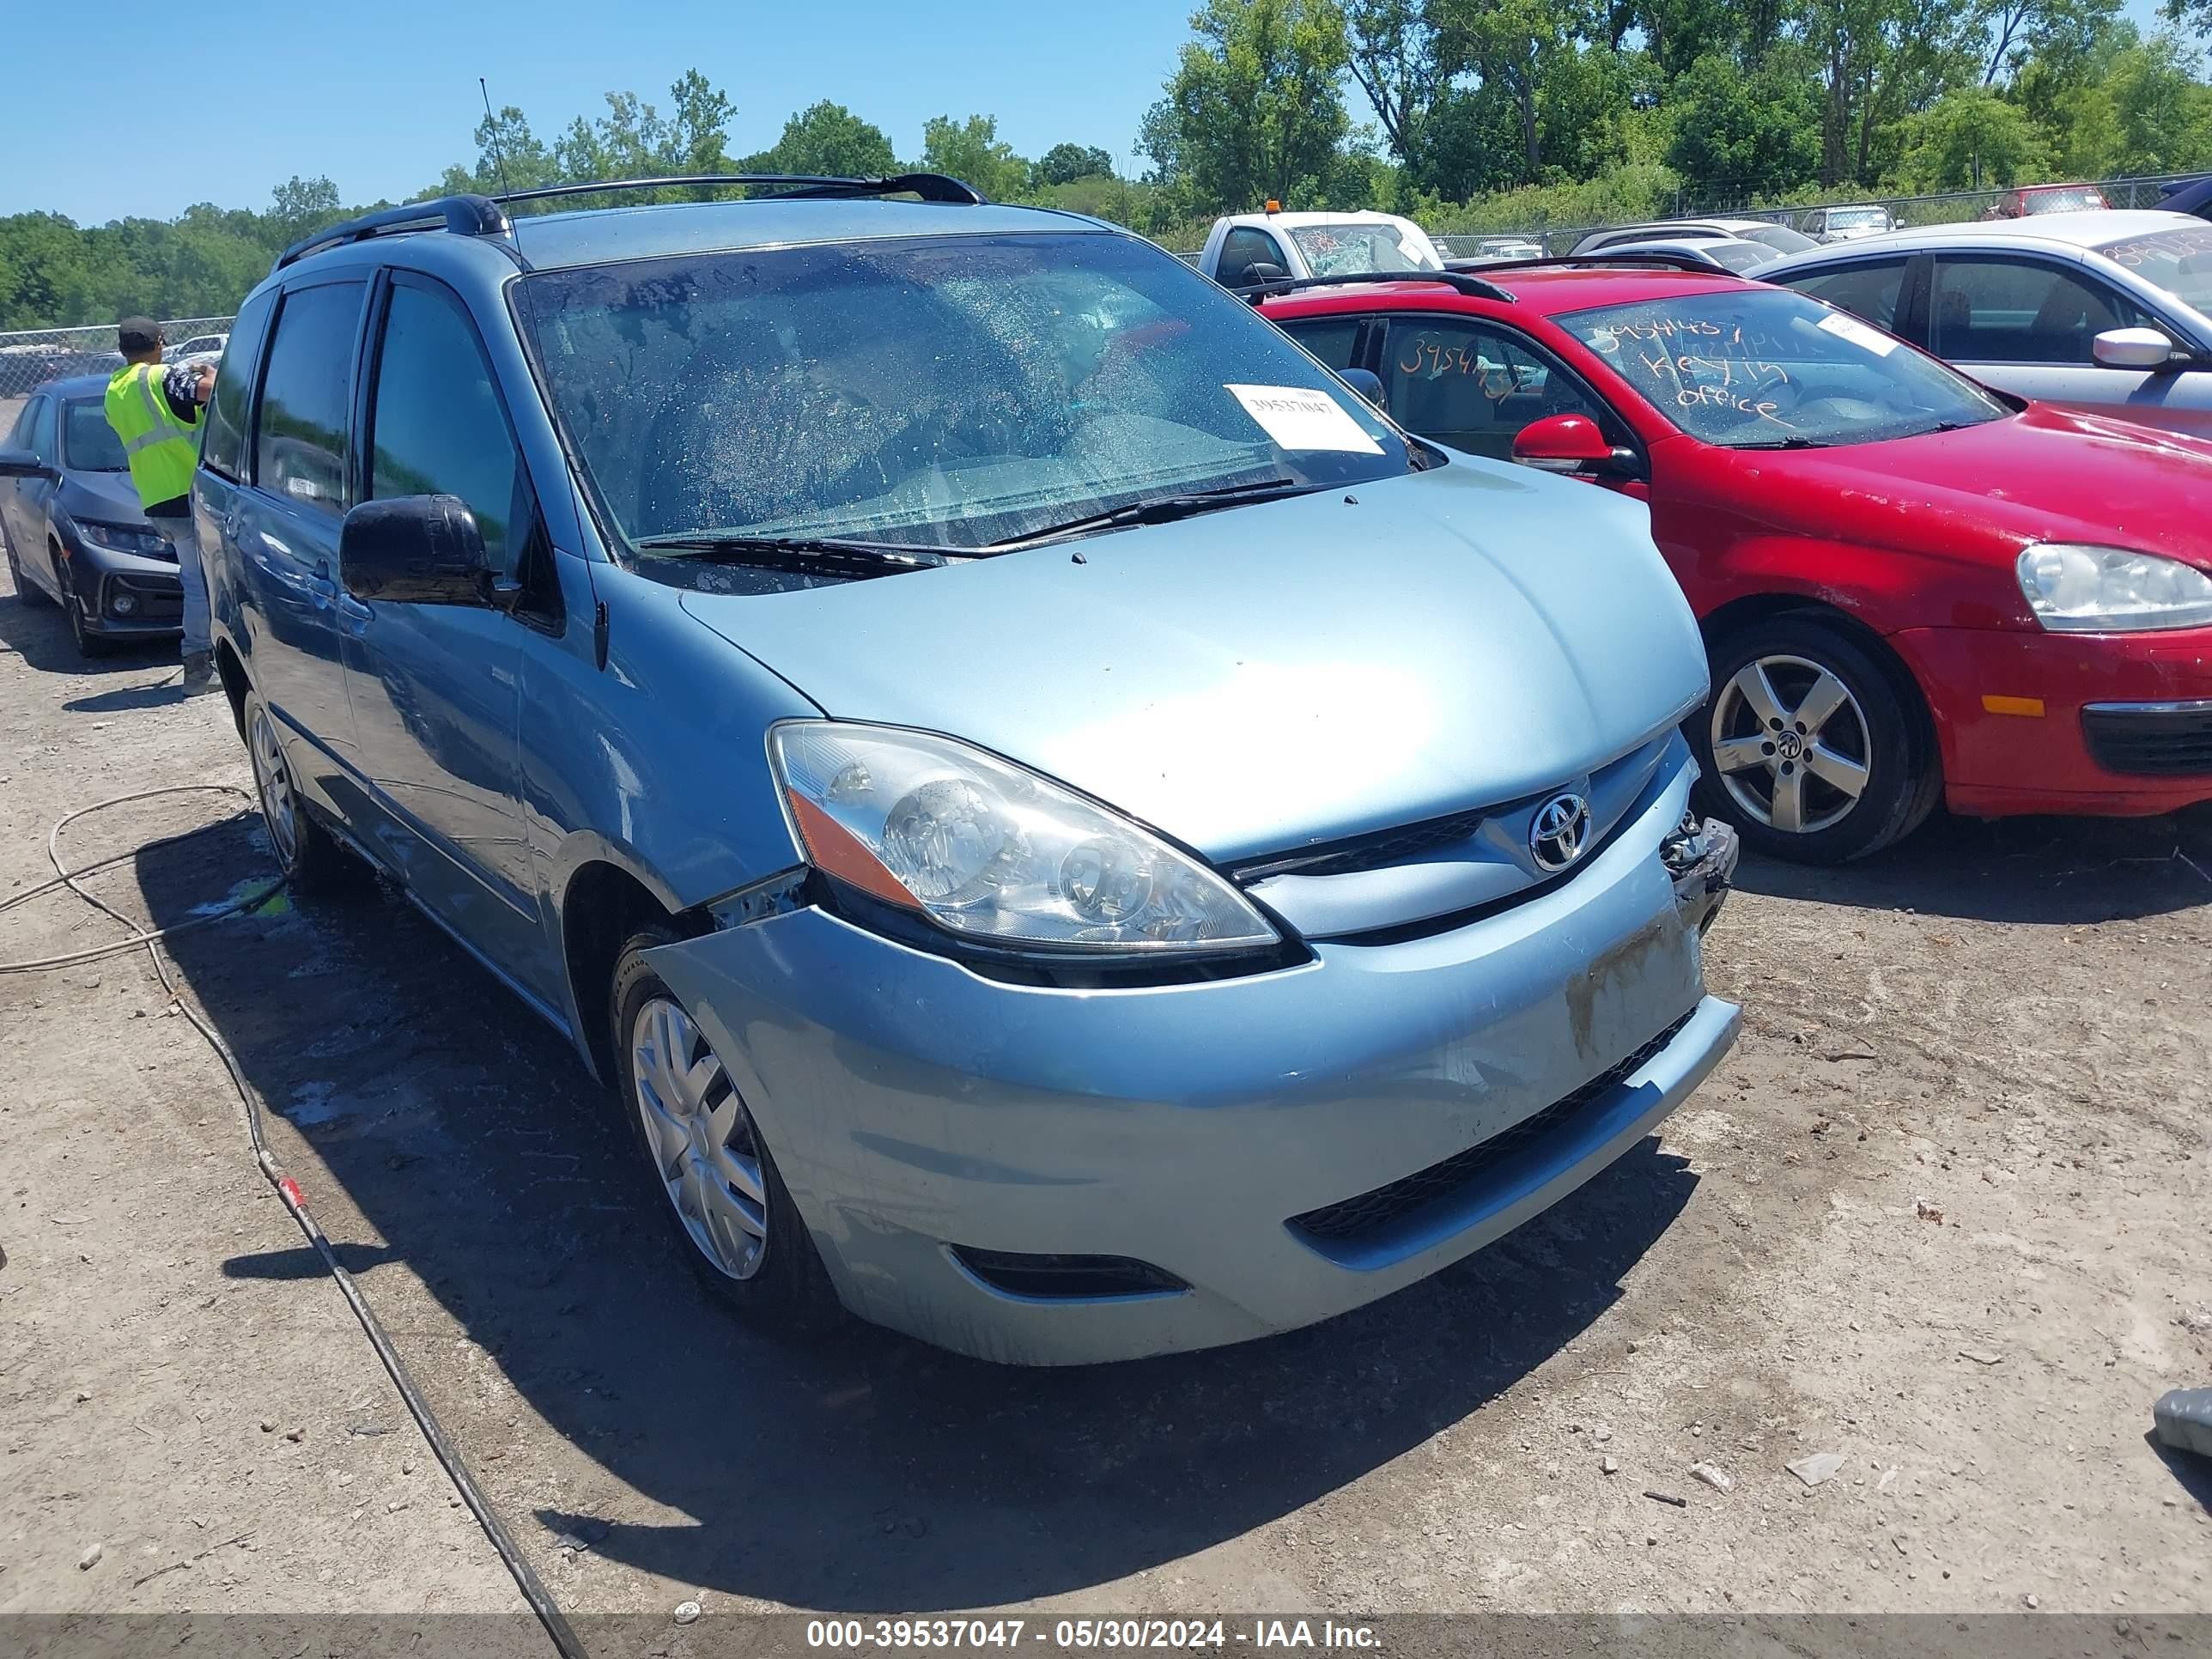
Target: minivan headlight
995, 853
2110, 590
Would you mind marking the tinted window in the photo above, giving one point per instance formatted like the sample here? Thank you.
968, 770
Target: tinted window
1332, 341
2010, 310
306, 392
438, 427
1473, 388
88, 443
1756, 367
224, 450
1869, 290
1242, 249
37, 429
1780, 238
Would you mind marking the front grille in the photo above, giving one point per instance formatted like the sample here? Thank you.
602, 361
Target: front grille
1064, 1277
2150, 742
1356, 1219
1375, 852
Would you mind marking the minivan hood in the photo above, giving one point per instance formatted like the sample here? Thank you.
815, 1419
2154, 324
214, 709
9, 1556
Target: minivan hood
2046, 474
1264, 677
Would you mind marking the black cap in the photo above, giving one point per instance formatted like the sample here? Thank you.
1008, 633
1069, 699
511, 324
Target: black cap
135, 334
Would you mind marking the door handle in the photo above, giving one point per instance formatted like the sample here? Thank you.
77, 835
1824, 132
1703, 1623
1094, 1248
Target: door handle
321, 585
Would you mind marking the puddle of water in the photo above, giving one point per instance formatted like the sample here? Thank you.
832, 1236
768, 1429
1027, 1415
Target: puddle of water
318, 1103
279, 903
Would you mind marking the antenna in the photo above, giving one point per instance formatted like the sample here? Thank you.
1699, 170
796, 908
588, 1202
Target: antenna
491, 126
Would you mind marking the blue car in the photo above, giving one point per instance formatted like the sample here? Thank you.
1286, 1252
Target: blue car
69, 523
1067, 833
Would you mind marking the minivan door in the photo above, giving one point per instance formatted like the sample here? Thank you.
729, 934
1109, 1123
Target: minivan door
284, 530
436, 688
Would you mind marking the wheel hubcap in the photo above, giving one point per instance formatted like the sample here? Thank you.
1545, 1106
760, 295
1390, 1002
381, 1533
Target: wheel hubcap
1791, 745
701, 1138
272, 782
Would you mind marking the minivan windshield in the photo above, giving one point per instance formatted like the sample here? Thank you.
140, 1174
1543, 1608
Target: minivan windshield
2178, 261
1755, 368
945, 391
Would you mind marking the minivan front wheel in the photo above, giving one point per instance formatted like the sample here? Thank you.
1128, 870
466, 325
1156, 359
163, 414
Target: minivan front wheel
1808, 746
704, 1153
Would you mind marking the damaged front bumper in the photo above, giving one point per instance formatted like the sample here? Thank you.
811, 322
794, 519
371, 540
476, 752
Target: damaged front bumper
1700, 857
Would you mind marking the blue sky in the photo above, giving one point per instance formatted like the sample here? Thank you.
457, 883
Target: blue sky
381, 98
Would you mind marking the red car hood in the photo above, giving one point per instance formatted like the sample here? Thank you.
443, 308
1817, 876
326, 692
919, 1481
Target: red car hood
2045, 475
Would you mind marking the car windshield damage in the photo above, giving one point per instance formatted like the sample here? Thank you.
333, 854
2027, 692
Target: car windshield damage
88, 443
954, 394
1354, 249
2178, 261
1766, 368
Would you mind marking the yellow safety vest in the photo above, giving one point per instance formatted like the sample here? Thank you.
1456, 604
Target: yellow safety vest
161, 449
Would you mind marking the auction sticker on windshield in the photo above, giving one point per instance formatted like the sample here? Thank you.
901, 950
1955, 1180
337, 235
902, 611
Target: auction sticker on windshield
1299, 417
1851, 329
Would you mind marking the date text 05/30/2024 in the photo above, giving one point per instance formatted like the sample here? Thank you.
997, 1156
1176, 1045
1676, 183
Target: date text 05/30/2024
857, 1635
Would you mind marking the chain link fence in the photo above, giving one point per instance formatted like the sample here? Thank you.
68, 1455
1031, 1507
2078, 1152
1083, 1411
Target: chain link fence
31, 357
1949, 207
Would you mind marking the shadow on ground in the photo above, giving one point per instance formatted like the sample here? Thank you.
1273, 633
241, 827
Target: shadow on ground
40, 636
868, 1473
2068, 873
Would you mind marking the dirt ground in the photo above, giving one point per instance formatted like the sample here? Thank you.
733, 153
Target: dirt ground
1942, 1212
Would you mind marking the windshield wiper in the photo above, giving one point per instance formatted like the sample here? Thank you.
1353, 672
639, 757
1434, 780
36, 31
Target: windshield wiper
796, 552
1160, 509
1786, 443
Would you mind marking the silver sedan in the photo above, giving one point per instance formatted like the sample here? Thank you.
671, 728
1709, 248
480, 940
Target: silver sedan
2108, 311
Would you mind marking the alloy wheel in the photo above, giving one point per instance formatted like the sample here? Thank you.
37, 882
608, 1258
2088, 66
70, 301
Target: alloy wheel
700, 1137
1792, 743
272, 783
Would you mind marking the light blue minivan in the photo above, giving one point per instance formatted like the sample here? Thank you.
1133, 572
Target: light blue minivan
1069, 835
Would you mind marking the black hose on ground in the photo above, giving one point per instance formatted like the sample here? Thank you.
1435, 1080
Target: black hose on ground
449, 1458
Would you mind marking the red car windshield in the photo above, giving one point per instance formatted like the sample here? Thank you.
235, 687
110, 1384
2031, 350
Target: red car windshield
1766, 368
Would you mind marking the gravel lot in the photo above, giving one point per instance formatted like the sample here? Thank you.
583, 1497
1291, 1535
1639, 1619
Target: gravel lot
1941, 1212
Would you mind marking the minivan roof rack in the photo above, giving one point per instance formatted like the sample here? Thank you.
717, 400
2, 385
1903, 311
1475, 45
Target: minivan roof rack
471, 215
1473, 286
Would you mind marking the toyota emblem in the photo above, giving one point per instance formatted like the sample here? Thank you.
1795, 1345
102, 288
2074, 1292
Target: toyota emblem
1559, 832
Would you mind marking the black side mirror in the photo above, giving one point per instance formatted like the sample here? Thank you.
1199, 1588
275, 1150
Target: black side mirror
1365, 381
415, 550
22, 464
1259, 273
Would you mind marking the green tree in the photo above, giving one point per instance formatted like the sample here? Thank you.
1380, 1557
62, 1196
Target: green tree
509, 156
1515, 46
1064, 163
299, 206
1739, 135
970, 150
2164, 112
827, 139
1255, 109
1878, 62
1971, 138
1394, 55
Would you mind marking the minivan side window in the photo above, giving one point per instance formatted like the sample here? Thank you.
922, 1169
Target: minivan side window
1869, 291
224, 448
437, 425
300, 431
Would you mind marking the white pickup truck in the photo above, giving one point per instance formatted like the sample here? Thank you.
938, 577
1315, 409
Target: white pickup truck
1244, 249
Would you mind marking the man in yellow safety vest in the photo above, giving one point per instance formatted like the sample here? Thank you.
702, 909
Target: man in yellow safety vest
155, 409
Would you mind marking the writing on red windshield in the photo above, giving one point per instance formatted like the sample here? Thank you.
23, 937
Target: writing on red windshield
1698, 364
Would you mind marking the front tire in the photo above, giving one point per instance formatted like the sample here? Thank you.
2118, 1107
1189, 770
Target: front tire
1810, 746
717, 1183
89, 645
314, 861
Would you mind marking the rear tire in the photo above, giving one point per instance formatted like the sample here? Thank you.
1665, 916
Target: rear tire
1811, 745
713, 1179
316, 863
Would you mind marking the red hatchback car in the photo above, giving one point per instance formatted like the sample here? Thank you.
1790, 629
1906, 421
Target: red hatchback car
1912, 588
